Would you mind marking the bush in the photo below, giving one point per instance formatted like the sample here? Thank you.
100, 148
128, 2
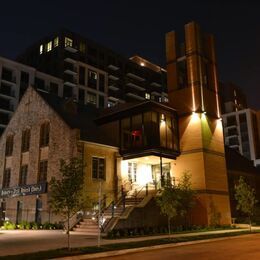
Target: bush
34, 225
24, 225
8, 225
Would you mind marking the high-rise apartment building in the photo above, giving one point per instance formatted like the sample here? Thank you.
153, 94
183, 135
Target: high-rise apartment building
66, 55
241, 124
14, 80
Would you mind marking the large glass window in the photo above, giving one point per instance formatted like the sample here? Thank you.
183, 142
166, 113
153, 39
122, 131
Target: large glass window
98, 168
23, 175
132, 171
44, 134
26, 135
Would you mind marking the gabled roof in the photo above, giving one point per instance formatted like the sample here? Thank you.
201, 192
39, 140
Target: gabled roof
78, 116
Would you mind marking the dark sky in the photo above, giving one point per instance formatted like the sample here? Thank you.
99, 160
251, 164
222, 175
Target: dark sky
132, 26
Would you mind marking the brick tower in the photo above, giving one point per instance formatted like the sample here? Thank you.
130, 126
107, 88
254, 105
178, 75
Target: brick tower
193, 91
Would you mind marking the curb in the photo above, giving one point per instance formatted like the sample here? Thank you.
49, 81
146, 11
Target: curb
143, 249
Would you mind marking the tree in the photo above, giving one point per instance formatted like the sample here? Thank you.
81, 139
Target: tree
67, 192
177, 199
186, 195
246, 200
168, 203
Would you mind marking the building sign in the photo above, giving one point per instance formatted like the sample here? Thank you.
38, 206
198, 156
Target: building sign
32, 189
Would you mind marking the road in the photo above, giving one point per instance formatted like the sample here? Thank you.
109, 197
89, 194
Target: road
238, 248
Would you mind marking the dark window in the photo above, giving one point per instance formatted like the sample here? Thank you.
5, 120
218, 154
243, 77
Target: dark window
101, 82
82, 75
98, 168
7, 74
23, 175
24, 77
6, 178
39, 83
54, 88
45, 134
26, 140
101, 101
92, 79
9, 145
67, 91
81, 96
42, 177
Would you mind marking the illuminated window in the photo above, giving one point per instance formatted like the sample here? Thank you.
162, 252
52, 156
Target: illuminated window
56, 42
92, 79
42, 177
49, 46
23, 175
68, 42
98, 168
147, 96
41, 49
132, 170
92, 98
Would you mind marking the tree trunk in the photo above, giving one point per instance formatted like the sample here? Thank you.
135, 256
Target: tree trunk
169, 225
68, 232
250, 226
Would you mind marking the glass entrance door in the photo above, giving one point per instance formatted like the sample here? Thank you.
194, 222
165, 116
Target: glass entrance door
161, 178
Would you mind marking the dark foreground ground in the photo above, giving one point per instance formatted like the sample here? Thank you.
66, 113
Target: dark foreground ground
245, 247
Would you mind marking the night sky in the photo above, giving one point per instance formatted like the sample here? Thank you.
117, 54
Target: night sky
138, 27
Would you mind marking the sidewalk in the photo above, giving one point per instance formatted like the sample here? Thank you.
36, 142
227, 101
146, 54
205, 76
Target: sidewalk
24, 241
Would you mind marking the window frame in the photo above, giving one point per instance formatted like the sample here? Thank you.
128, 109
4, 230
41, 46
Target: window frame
42, 171
9, 145
6, 178
23, 175
100, 166
45, 134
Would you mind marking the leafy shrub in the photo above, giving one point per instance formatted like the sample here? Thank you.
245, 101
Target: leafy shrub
24, 225
8, 225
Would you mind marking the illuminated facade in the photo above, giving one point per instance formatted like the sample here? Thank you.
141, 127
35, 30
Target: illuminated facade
132, 149
193, 91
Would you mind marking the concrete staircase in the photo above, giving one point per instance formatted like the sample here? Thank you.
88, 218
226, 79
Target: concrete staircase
87, 226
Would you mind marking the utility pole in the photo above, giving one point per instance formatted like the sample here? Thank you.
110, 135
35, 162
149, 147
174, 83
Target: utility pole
99, 214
